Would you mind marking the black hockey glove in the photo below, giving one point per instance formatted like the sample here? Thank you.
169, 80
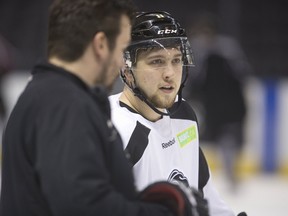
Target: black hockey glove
176, 197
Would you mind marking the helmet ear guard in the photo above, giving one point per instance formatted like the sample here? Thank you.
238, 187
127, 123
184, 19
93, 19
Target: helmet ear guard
188, 59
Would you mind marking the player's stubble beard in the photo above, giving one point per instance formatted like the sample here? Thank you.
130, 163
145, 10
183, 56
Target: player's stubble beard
158, 100
162, 102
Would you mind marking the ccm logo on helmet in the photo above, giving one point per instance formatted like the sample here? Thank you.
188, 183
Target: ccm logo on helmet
167, 31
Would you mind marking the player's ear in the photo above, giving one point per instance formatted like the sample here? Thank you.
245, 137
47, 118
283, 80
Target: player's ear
128, 74
100, 45
128, 77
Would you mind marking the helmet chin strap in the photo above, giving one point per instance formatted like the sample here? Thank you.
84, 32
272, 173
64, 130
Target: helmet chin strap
139, 94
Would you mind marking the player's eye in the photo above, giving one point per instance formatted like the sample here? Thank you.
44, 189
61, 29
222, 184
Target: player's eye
177, 61
157, 62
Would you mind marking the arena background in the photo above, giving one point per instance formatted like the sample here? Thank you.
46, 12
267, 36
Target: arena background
261, 27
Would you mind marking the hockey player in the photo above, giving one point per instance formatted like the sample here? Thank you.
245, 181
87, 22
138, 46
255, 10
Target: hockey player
159, 129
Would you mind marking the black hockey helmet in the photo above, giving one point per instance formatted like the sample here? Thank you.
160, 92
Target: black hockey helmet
156, 30
152, 29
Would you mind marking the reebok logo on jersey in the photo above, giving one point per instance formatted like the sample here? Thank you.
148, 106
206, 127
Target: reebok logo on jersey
168, 144
187, 136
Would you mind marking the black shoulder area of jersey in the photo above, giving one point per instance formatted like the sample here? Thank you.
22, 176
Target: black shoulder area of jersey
137, 143
184, 111
203, 171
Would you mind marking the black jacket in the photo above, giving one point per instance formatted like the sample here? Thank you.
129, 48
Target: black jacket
62, 156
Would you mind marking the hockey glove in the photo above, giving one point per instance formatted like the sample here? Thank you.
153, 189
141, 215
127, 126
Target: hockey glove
176, 197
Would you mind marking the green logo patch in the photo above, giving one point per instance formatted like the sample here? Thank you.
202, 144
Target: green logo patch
187, 136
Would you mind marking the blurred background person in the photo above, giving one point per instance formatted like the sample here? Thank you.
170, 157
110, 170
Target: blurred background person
221, 70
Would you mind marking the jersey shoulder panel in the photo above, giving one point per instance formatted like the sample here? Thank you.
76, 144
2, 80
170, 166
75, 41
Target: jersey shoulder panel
124, 120
183, 111
138, 142
204, 174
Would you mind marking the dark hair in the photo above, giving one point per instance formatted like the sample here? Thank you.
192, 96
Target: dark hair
74, 23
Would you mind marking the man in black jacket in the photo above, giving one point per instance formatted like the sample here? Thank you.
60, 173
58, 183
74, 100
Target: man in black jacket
61, 153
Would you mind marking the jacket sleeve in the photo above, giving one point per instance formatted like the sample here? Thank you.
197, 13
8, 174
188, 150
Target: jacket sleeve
72, 167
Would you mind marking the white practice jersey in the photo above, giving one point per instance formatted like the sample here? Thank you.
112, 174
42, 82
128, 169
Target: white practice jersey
167, 149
